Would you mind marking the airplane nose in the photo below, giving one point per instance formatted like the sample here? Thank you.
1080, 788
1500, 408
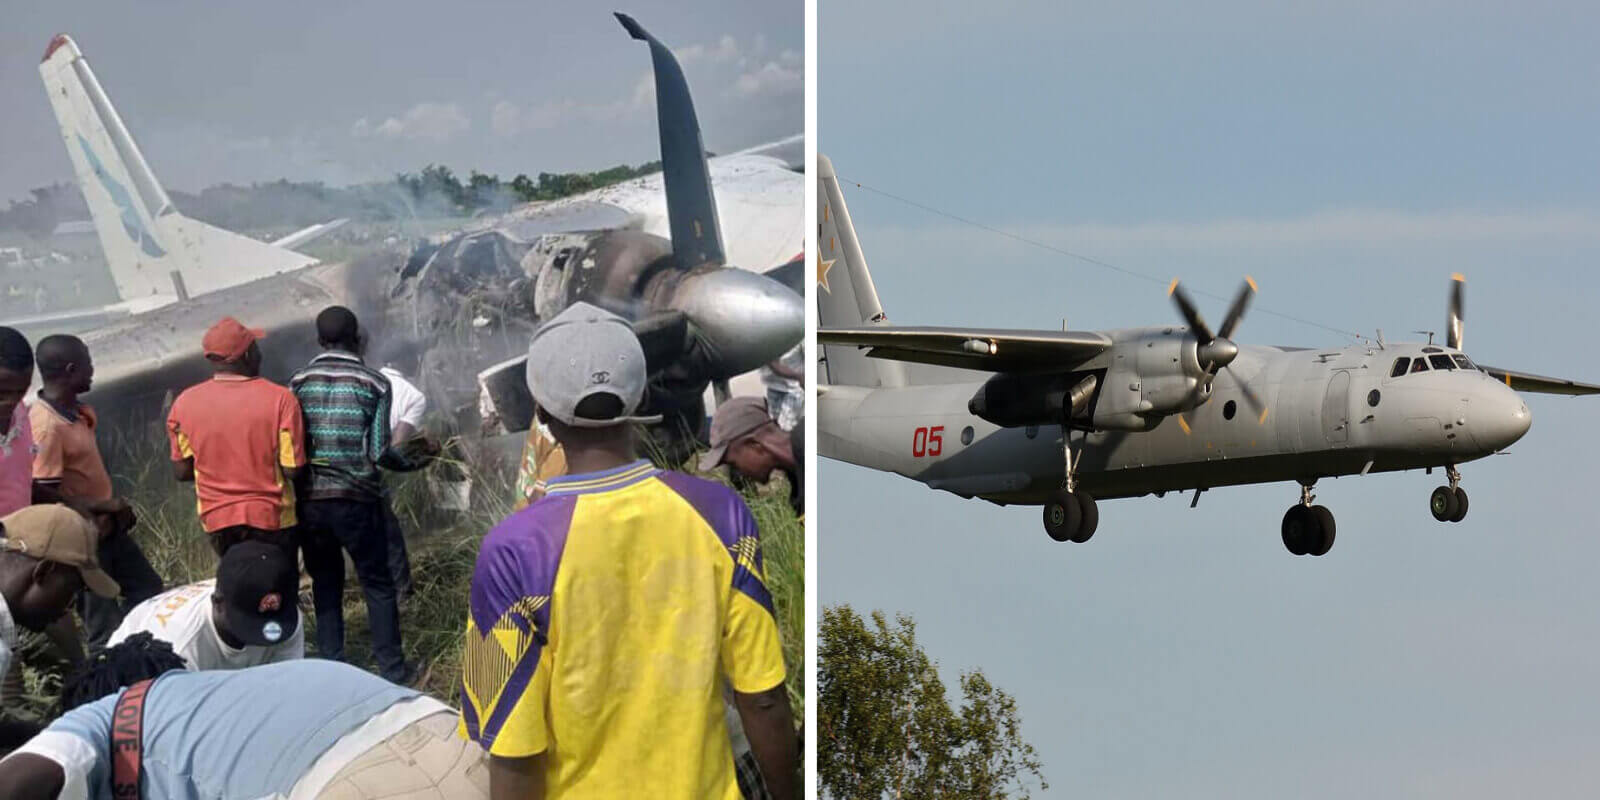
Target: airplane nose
1502, 420
745, 320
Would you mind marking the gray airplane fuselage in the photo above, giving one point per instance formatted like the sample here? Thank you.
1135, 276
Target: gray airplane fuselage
1331, 411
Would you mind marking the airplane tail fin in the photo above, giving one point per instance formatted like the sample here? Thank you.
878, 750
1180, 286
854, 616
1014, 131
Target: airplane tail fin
846, 296
152, 249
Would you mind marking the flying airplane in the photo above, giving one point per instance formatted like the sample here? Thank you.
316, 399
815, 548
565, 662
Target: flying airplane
1063, 418
651, 249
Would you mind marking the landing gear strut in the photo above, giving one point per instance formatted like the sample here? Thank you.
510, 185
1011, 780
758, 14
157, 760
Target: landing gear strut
1449, 503
1308, 529
1070, 515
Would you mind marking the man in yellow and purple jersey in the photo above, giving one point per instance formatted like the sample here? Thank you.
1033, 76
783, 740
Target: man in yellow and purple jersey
607, 616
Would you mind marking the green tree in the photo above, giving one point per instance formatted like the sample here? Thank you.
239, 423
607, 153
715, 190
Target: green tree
524, 187
887, 729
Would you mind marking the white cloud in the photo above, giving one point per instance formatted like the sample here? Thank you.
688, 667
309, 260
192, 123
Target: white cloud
726, 49
716, 71
771, 79
433, 122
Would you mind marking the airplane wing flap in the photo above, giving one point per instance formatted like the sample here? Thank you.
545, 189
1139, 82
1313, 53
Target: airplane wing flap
1528, 382
974, 348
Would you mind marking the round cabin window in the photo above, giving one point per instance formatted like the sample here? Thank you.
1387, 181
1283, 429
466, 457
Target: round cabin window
966, 435
1229, 409
1373, 397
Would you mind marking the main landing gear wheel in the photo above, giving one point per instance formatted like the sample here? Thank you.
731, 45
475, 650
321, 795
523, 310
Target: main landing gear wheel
1447, 504
1062, 516
1071, 517
1308, 529
1088, 517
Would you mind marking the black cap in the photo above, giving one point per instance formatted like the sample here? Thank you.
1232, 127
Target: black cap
259, 584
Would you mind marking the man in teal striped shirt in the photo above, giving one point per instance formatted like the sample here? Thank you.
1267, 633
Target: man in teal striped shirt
346, 406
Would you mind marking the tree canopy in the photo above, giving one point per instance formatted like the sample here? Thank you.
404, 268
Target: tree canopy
886, 729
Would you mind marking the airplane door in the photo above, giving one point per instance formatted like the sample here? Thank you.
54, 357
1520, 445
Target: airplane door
1336, 408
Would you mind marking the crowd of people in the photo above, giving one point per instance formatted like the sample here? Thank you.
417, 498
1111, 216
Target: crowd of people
620, 639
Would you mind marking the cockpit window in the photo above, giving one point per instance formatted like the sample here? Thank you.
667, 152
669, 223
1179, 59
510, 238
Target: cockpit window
1420, 365
1401, 364
1441, 362
1463, 362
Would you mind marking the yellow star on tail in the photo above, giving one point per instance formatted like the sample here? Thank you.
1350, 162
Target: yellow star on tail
822, 272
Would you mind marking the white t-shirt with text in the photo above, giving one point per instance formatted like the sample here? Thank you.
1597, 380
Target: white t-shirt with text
182, 617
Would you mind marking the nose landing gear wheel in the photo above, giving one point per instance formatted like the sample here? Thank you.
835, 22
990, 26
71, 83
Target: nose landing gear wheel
1062, 516
1445, 503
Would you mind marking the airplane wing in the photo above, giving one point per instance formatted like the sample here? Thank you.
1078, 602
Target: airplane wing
974, 348
1527, 382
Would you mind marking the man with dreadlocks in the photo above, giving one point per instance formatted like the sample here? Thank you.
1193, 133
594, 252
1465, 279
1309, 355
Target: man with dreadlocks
341, 734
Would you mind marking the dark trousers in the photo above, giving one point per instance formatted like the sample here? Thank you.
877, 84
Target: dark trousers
328, 529
399, 559
122, 559
224, 538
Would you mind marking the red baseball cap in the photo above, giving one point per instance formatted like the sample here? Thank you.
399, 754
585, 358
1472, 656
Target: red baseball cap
229, 339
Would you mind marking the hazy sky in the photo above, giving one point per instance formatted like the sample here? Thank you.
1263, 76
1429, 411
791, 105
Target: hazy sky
1350, 156
351, 91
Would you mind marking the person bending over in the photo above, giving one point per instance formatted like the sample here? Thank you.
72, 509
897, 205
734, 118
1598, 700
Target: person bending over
301, 729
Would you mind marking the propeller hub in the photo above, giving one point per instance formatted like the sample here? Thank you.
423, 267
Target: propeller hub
1217, 353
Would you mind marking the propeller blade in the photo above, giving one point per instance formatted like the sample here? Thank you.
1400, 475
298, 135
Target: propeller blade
1457, 318
1190, 314
1192, 400
1252, 398
691, 205
1241, 301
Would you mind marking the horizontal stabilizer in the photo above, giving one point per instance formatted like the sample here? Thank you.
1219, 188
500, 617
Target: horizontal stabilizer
1527, 382
310, 233
974, 348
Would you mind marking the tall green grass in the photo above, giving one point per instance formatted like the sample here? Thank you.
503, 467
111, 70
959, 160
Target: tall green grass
443, 546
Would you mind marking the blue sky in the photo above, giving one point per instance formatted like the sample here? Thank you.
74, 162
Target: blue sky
1349, 156
353, 91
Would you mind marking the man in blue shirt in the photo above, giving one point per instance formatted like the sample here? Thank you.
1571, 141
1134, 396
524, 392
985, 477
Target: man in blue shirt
339, 732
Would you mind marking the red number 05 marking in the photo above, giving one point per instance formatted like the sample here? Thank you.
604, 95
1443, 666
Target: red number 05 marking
927, 441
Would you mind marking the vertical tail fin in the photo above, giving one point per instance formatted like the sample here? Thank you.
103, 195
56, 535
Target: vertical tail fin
846, 296
152, 250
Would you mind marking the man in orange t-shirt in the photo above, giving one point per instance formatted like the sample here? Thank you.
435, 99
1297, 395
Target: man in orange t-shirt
68, 468
241, 439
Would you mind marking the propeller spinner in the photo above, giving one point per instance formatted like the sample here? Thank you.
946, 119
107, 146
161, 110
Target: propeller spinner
1215, 351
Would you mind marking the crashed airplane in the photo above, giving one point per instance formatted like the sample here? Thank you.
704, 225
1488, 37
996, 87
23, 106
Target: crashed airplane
651, 249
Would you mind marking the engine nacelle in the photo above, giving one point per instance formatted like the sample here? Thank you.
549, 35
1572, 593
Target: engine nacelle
1152, 374
1014, 401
